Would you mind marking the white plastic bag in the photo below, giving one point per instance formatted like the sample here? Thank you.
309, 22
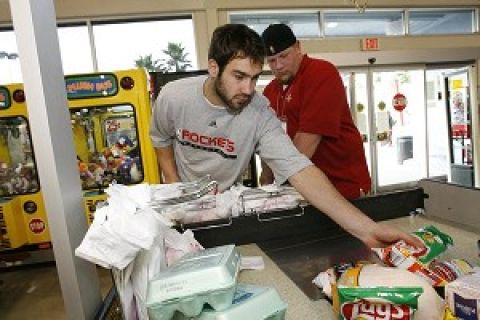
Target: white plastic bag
178, 244
147, 265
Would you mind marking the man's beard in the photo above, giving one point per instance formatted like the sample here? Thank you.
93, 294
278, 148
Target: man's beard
230, 105
286, 80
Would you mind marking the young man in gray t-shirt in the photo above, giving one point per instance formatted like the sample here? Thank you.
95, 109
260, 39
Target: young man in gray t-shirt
213, 125
211, 139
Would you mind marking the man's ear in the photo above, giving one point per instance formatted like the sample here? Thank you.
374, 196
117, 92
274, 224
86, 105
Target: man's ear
213, 68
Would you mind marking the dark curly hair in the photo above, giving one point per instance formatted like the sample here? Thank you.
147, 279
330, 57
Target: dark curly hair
232, 41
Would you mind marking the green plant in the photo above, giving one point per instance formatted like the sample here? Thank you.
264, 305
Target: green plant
176, 61
148, 63
177, 58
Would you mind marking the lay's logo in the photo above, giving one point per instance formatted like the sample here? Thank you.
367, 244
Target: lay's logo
364, 310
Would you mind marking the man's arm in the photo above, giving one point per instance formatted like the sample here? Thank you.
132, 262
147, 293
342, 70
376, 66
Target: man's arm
307, 143
317, 189
266, 177
166, 162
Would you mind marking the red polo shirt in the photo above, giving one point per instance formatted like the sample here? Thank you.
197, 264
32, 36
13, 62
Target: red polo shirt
315, 102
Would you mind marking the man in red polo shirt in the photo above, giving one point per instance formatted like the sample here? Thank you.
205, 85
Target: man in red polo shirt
308, 95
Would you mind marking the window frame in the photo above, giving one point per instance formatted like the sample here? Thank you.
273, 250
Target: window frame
405, 11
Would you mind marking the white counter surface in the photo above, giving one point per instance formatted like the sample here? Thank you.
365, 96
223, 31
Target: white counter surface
301, 307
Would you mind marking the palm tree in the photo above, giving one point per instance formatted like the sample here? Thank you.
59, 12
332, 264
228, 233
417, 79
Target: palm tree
177, 60
149, 63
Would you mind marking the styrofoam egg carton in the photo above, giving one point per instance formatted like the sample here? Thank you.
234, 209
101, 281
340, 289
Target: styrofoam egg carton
208, 276
250, 302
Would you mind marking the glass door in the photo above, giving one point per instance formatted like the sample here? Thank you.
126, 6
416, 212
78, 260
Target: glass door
459, 128
415, 123
441, 93
400, 121
388, 107
356, 87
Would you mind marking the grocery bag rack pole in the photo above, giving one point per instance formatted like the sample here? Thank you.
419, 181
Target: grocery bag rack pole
220, 223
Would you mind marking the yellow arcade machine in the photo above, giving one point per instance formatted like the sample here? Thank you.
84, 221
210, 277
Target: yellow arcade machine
110, 114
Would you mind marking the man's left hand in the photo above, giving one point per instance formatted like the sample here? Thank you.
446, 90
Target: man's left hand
383, 235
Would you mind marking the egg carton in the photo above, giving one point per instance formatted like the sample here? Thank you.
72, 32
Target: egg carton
259, 303
208, 276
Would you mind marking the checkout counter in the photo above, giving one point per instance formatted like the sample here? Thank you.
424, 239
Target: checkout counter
291, 270
296, 246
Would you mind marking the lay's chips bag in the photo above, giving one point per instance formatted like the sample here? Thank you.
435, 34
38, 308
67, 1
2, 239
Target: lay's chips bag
416, 260
384, 303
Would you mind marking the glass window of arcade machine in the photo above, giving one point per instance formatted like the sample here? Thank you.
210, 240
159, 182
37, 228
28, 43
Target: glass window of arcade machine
107, 146
18, 173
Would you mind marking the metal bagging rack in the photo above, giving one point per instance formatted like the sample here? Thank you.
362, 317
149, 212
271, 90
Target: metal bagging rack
190, 191
269, 205
266, 205
111, 308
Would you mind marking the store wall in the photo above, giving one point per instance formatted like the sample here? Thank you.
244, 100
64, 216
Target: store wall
93, 8
208, 14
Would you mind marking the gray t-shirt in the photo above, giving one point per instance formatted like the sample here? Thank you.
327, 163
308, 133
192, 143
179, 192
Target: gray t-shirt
210, 140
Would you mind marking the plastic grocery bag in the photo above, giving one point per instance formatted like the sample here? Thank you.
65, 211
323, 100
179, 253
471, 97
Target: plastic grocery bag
178, 244
147, 265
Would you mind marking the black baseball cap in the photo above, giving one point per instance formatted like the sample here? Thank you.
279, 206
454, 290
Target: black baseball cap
277, 37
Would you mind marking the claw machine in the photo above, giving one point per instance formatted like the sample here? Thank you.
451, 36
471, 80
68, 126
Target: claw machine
460, 128
109, 116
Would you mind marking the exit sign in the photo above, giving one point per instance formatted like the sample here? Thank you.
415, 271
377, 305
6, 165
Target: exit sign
370, 44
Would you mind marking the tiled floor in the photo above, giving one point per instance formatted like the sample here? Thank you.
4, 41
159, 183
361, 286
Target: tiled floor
34, 293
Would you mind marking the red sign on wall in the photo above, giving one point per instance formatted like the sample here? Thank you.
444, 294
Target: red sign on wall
37, 225
370, 44
399, 102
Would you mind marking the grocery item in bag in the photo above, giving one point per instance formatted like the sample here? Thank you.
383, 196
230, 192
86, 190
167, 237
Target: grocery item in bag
198, 278
463, 297
377, 303
435, 241
450, 270
416, 260
448, 315
430, 305
249, 302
